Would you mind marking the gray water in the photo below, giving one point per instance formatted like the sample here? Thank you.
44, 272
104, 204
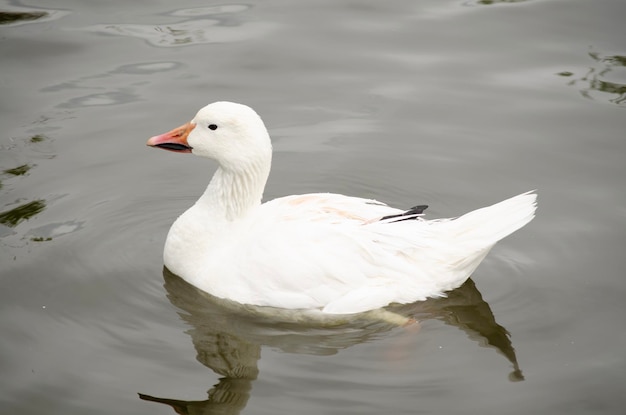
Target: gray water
452, 103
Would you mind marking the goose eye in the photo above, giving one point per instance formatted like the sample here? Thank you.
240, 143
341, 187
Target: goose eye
212, 127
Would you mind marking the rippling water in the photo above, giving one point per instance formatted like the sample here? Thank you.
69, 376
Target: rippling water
456, 103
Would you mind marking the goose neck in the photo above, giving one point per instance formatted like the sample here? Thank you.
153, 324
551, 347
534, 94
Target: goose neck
234, 193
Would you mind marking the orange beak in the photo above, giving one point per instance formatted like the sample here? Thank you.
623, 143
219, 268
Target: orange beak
175, 140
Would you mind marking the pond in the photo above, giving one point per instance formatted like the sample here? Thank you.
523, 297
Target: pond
457, 104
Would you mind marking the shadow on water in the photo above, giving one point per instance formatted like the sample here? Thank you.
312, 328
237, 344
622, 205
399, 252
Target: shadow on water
228, 337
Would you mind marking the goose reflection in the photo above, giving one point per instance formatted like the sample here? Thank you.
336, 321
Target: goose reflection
228, 336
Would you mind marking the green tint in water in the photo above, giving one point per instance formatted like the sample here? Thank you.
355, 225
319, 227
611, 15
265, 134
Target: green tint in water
595, 79
18, 171
12, 17
611, 60
21, 213
37, 138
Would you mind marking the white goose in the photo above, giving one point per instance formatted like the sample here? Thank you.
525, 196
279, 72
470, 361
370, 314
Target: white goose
327, 252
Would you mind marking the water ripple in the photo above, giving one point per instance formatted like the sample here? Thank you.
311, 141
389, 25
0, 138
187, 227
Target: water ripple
220, 28
96, 100
211, 10
602, 78
54, 230
94, 85
491, 2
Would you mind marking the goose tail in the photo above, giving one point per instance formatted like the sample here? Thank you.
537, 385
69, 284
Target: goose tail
483, 227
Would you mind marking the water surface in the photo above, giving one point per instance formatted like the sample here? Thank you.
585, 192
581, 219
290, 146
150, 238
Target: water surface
456, 104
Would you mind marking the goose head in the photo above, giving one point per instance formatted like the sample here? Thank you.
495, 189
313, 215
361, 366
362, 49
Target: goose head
232, 134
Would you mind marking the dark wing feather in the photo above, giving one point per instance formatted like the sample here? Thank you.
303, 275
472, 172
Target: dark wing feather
412, 213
